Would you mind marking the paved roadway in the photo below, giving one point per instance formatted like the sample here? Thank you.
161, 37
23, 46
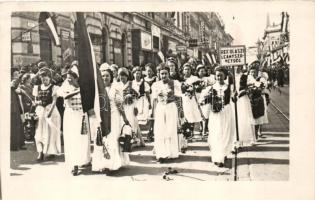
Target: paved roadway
268, 160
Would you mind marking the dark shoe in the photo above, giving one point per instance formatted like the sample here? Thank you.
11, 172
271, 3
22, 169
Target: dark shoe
161, 160
40, 157
220, 165
75, 171
51, 157
216, 163
86, 165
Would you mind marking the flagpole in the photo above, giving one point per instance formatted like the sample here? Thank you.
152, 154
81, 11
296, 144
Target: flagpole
236, 126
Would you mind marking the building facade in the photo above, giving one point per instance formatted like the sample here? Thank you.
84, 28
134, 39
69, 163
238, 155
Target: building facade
123, 38
275, 43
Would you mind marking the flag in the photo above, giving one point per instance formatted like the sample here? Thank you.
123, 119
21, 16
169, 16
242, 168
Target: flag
92, 89
52, 28
209, 59
213, 58
161, 56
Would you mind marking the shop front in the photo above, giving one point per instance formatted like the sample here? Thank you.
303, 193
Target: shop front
141, 47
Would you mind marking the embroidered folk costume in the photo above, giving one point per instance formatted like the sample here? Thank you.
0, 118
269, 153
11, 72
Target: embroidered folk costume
221, 118
166, 116
245, 115
47, 135
75, 130
117, 158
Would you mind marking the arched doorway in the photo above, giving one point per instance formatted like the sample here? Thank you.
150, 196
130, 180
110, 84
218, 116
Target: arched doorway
44, 38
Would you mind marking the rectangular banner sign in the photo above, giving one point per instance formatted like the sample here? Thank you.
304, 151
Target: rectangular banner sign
233, 55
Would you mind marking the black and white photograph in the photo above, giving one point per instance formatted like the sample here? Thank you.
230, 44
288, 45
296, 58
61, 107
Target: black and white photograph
135, 97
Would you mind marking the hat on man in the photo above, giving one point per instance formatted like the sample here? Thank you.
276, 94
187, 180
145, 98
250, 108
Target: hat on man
42, 64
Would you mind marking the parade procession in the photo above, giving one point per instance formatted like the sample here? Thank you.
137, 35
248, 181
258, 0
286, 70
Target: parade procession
166, 94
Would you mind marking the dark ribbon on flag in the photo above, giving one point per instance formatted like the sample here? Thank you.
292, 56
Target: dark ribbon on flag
87, 74
105, 111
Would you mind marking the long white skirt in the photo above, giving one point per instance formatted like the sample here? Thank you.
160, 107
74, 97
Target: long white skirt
165, 131
221, 133
47, 135
133, 120
129, 111
191, 110
77, 146
143, 109
206, 110
263, 119
117, 157
245, 120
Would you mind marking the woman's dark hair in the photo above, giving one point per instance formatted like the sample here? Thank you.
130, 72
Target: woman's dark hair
223, 70
110, 74
25, 77
163, 66
72, 74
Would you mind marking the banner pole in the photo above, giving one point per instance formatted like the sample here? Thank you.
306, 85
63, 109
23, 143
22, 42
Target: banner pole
236, 126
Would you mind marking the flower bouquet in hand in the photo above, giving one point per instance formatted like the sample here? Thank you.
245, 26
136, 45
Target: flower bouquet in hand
129, 96
192, 85
164, 94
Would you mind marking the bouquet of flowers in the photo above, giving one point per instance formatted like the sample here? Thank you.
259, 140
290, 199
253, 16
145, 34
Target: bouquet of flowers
29, 128
193, 85
215, 100
257, 102
164, 94
129, 96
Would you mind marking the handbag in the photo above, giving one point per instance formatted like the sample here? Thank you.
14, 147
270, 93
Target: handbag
99, 142
125, 138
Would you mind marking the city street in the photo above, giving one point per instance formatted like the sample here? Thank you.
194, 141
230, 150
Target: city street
268, 160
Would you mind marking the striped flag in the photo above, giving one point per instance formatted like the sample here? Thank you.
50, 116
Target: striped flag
161, 56
213, 58
92, 88
52, 28
209, 58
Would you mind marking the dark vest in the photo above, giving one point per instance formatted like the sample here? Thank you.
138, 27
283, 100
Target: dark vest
45, 96
142, 89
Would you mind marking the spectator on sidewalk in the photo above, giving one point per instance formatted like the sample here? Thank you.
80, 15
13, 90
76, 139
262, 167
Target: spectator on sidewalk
17, 132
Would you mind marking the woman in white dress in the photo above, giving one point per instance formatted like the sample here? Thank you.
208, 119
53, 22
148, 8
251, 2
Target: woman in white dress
144, 101
47, 134
150, 79
258, 100
130, 98
166, 116
117, 158
245, 115
221, 118
205, 108
76, 135
190, 105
